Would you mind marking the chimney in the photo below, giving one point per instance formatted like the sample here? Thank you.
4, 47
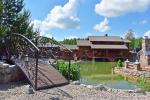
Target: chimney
145, 37
106, 34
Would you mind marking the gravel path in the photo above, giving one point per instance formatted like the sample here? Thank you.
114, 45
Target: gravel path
17, 91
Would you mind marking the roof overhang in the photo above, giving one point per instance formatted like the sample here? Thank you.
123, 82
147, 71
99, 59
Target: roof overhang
121, 47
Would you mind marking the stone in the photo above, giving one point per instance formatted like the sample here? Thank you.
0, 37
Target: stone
54, 97
83, 85
90, 86
4, 65
101, 87
147, 75
130, 91
1, 63
12, 66
29, 89
139, 90
76, 83
8, 71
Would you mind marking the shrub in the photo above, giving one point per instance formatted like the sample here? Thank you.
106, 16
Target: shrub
63, 68
119, 63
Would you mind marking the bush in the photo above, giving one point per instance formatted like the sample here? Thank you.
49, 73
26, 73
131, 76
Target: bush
119, 63
63, 69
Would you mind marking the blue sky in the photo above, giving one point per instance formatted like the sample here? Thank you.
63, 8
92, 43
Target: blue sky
81, 18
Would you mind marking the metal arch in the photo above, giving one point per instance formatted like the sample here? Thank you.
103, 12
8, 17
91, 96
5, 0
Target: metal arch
25, 46
22, 36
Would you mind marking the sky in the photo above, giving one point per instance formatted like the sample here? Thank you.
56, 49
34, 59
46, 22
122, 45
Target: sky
81, 18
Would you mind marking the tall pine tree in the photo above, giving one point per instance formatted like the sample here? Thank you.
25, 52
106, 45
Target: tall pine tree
15, 19
11, 10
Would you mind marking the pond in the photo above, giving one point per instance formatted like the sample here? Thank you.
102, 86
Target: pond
94, 73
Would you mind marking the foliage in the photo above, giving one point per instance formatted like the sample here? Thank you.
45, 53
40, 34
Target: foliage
142, 83
119, 63
22, 25
71, 41
44, 40
11, 9
135, 42
63, 68
138, 43
130, 36
14, 18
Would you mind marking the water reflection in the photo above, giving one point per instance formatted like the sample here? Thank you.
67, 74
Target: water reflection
95, 73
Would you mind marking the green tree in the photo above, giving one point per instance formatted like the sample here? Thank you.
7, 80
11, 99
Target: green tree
70, 41
15, 19
43, 40
22, 25
1, 27
130, 36
138, 42
11, 10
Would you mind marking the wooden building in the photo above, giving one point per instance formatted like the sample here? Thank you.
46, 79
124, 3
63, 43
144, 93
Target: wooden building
107, 48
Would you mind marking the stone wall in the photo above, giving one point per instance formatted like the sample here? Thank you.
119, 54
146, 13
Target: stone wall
10, 73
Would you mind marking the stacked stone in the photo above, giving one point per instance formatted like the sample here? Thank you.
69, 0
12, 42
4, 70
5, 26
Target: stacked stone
9, 73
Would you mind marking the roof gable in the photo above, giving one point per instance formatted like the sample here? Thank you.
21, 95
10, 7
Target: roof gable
83, 43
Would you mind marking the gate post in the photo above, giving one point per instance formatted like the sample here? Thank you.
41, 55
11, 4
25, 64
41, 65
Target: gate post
36, 70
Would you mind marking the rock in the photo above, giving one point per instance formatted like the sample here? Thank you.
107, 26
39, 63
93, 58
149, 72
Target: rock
83, 85
147, 75
1, 63
90, 86
70, 81
54, 97
29, 89
139, 90
4, 65
8, 71
130, 91
101, 87
12, 66
76, 83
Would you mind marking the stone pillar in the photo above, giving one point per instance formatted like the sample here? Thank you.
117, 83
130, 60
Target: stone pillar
126, 63
137, 65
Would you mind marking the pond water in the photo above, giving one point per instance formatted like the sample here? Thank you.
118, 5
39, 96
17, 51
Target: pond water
94, 73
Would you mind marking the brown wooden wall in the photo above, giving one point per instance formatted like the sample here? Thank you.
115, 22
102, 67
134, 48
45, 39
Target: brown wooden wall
86, 52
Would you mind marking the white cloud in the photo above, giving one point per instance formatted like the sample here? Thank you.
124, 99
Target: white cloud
143, 22
147, 33
114, 8
71, 37
102, 26
140, 22
59, 17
